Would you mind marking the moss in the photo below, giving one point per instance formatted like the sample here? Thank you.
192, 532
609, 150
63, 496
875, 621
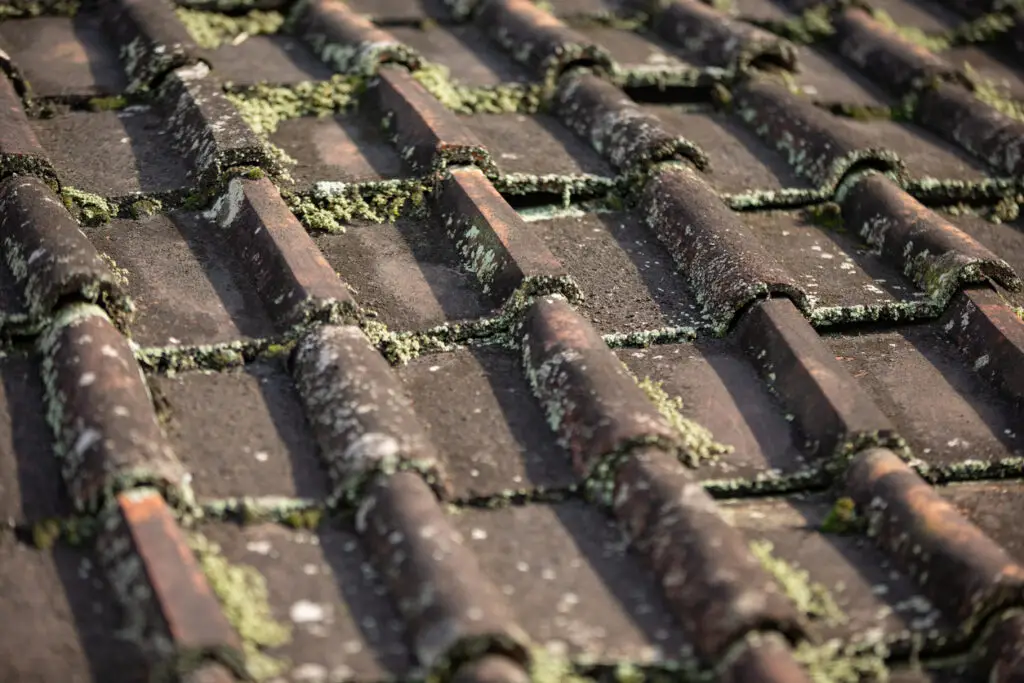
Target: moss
697, 442
108, 103
983, 29
242, 593
811, 598
929, 41
843, 518
811, 26
504, 98
304, 519
19, 9
45, 533
89, 209
210, 30
120, 274
73, 530
828, 216
548, 667
331, 205
265, 106
994, 95
144, 208
836, 662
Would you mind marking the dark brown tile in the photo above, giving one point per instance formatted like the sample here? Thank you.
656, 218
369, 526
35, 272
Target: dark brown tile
646, 292
113, 153
572, 582
67, 621
277, 59
538, 143
868, 596
834, 264
186, 286
468, 54
739, 161
487, 426
347, 148
947, 412
722, 392
994, 507
269, 450
408, 272
31, 487
64, 56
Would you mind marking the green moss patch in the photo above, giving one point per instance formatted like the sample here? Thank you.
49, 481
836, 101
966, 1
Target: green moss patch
264, 106
994, 95
929, 41
811, 598
210, 30
331, 205
696, 442
499, 99
89, 209
242, 593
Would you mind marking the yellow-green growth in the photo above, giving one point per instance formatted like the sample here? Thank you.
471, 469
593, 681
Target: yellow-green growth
504, 98
144, 208
45, 533
112, 103
834, 662
994, 95
697, 441
932, 42
120, 274
242, 593
811, 598
983, 29
828, 216
304, 519
843, 518
264, 106
91, 209
810, 26
210, 30
547, 667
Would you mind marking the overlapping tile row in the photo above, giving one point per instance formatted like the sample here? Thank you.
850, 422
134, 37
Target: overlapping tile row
944, 102
487, 233
381, 460
400, 455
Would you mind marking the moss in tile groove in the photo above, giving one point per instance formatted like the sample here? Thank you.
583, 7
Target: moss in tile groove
933, 42
696, 441
994, 95
265, 106
836, 662
89, 209
499, 99
210, 30
331, 205
811, 598
843, 518
23, 9
242, 593
112, 103
810, 26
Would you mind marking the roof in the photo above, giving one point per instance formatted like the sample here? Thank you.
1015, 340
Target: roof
501, 341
